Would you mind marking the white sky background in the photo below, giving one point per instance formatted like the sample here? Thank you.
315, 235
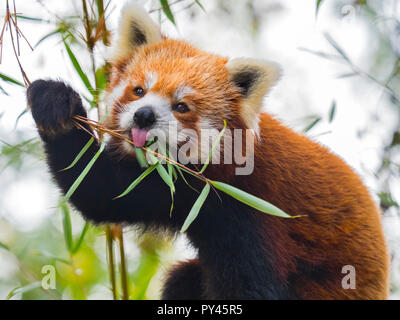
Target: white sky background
308, 86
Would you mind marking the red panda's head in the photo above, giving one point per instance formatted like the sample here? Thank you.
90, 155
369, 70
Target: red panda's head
157, 82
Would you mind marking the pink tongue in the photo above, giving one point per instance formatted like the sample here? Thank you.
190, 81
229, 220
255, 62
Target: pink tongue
139, 137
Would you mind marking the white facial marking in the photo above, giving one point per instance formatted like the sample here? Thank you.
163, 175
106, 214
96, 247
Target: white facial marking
182, 91
114, 95
151, 80
160, 105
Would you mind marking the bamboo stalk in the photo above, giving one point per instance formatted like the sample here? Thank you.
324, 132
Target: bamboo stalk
123, 268
110, 256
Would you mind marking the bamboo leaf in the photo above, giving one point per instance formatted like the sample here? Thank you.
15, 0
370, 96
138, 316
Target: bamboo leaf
184, 179
200, 5
32, 19
50, 34
67, 227
140, 157
82, 176
78, 68
167, 11
196, 207
318, 4
11, 80
3, 91
165, 176
387, 201
5, 247
214, 146
347, 75
81, 237
250, 200
163, 172
138, 180
21, 290
20, 116
101, 80
80, 154
312, 124
332, 111
336, 46
51, 256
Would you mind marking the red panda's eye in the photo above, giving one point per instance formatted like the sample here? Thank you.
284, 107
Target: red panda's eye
138, 91
180, 107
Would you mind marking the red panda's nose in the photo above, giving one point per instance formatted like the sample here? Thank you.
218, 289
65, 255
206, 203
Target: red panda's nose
144, 117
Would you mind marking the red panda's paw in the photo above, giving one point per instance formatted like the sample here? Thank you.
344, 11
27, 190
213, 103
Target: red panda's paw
53, 104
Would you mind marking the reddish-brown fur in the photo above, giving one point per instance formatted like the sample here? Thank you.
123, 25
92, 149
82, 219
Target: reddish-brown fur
340, 223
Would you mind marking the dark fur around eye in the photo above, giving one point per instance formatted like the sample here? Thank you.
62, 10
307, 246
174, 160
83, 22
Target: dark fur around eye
180, 107
139, 91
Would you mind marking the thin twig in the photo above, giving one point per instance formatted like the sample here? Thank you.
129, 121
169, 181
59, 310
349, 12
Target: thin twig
8, 20
98, 127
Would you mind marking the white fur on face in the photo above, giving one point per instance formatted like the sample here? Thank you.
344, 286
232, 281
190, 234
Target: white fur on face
151, 80
160, 105
182, 91
112, 97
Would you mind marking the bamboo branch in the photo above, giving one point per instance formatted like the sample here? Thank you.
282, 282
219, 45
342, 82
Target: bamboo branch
110, 256
123, 268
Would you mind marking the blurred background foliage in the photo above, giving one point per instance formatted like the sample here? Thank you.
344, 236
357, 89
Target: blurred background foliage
105, 261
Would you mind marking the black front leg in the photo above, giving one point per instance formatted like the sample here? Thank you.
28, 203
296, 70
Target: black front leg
185, 281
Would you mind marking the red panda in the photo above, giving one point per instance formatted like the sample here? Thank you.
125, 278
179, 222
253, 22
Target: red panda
242, 253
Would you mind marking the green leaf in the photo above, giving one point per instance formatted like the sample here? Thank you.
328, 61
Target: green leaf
312, 124
83, 174
336, 46
395, 139
171, 177
250, 200
11, 80
80, 154
387, 200
67, 227
78, 68
184, 179
167, 11
32, 19
81, 237
90, 101
21, 290
318, 4
200, 5
50, 256
214, 146
47, 36
138, 180
332, 111
3, 91
347, 75
5, 247
163, 173
140, 157
101, 80
165, 176
196, 208
25, 111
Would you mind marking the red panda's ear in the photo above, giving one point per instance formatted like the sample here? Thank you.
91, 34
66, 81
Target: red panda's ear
254, 78
136, 29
